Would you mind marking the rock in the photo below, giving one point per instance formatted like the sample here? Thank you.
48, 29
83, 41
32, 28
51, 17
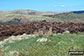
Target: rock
66, 32
43, 40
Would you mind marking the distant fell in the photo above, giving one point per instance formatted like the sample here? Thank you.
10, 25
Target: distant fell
78, 12
26, 16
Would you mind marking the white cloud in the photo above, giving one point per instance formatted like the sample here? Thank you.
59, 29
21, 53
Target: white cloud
62, 6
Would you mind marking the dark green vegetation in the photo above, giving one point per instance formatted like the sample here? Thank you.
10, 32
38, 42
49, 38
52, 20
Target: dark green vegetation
25, 16
58, 46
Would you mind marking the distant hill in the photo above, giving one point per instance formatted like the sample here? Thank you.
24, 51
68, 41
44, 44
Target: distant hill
25, 16
31, 12
78, 12
75, 16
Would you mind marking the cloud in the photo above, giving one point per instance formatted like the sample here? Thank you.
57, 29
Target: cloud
62, 6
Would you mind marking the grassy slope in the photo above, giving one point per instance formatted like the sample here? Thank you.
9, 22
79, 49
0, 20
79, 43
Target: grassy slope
59, 45
24, 14
71, 17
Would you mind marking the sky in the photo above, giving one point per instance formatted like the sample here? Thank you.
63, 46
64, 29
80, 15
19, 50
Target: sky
42, 5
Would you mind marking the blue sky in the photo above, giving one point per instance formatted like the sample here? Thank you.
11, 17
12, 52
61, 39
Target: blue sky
42, 5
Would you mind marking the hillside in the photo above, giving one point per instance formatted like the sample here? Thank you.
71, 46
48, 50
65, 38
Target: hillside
31, 12
25, 16
68, 17
31, 35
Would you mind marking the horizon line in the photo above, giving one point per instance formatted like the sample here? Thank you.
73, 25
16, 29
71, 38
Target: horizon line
40, 10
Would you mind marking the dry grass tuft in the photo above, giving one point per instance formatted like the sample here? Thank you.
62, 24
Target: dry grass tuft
50, 32
44, 32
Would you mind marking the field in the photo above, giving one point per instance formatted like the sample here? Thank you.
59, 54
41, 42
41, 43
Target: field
56, 45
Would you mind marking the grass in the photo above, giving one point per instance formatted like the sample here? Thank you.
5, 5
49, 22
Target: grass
59, 46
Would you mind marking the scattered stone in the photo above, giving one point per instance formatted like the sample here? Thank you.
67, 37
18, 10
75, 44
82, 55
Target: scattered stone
43, 40
11, 41
66, 32
14, 53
